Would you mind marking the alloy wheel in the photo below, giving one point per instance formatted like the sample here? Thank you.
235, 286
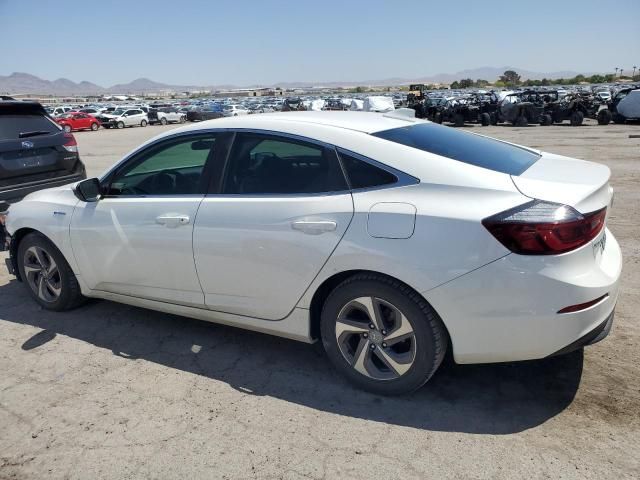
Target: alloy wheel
375, 338
43, 275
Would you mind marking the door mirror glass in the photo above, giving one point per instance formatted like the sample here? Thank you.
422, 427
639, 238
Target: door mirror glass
88, 190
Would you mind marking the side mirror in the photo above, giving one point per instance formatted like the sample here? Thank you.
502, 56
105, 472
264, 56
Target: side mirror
88, 190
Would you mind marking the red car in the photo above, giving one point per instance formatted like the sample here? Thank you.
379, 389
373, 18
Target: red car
78, 121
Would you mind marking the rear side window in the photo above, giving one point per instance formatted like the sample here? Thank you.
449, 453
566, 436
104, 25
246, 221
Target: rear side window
11, 126
364, 175
463, 146
266, 164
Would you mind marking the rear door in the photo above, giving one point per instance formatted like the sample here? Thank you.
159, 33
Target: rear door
32, 147
264, 234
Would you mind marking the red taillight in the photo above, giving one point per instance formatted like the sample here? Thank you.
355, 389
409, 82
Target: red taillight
71, 145
582, 306
545, 228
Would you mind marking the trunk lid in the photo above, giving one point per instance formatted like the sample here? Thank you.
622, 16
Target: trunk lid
555, 178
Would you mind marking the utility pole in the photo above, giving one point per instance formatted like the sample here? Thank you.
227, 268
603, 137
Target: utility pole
620, 68
634, 73
616, 74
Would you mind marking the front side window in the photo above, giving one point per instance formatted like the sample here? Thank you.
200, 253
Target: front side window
173, 168
264, 164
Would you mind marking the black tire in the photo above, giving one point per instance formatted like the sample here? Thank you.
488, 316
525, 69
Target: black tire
163, 120
458, 120
521, 121
437, 118
430, 335
485, 119
143, 123
576, 118
70, 295
494, 118
120, 124
546, 120
94, 126
604, 117
106, 126
183, 119
67, 128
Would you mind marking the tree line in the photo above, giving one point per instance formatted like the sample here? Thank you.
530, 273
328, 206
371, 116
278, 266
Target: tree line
511, 78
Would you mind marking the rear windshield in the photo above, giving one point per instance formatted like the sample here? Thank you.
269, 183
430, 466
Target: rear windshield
463, 146
11, 126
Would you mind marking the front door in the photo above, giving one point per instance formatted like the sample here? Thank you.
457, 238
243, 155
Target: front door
137, 240
283, 208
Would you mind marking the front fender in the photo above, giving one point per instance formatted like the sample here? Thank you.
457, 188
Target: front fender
48, 212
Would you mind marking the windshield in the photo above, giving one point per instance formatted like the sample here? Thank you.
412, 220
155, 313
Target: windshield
463, 146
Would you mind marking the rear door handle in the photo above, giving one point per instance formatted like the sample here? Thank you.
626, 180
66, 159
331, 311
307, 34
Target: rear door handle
315, 227
172, 221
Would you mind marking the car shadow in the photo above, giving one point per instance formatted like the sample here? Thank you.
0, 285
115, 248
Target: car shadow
493, 399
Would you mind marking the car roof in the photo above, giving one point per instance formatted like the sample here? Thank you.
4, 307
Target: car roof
365, 122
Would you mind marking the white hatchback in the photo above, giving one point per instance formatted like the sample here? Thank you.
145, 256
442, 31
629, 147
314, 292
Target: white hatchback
388, 238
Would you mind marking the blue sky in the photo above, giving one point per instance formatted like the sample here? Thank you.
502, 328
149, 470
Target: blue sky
248, 42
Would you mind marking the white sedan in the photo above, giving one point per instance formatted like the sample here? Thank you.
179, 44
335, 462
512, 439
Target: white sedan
388, 238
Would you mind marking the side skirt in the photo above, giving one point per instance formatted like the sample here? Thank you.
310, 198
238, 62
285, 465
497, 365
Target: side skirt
295, 326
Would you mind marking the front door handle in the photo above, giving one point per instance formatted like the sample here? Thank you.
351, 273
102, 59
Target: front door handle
314, 227
172, 221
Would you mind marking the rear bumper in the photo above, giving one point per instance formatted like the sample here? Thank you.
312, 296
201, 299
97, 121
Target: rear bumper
508, 309
17, 193
594, 336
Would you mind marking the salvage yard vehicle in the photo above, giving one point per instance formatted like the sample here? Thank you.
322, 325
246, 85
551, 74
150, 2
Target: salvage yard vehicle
35, 152
388, 238
121, 118
574, 107
78, 121
207, 112
165, 115
624, 106
522, 108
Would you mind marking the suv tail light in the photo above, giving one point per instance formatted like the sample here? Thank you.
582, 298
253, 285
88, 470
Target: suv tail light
544, 228
71, 145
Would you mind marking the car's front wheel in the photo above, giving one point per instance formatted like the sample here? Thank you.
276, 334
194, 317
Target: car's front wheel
45, 271
67, 128
382, 335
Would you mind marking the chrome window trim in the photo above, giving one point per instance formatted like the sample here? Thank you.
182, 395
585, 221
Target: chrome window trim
404, 179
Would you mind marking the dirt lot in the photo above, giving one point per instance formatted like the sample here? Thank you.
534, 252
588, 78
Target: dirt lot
110, 391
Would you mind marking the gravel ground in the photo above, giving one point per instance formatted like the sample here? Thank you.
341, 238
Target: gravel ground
110, 391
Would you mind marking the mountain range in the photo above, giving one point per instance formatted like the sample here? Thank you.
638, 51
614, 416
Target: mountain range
18, 82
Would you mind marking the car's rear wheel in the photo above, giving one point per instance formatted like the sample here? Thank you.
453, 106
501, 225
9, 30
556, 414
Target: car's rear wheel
485, 119
183, 119
381, 334
120, 124
163, 120
143, 123
47, 274
67, 128
94, 126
